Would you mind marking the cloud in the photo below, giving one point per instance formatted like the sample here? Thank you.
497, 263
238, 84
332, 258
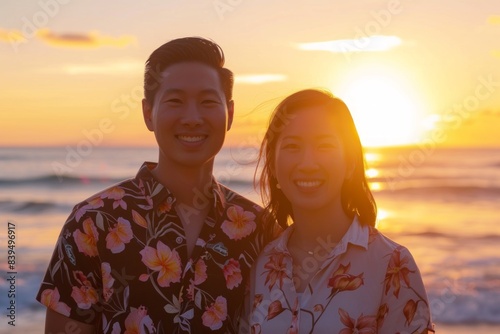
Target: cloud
88, 40
69, 40
257, 79
494, 19
127, 66
365, 44
11, 36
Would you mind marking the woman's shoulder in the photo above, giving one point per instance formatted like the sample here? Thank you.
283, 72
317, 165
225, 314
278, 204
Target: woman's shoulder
279, 244
381, 241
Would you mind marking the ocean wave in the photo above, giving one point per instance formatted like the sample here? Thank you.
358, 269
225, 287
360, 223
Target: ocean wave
61, 180
30, 207
434, 234
476, 307
434, 191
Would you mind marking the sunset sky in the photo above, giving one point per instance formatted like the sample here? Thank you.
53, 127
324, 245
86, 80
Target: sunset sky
412, 71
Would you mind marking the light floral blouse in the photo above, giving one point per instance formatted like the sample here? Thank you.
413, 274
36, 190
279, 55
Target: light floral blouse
366, 284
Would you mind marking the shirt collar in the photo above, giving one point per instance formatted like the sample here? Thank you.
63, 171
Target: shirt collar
357, 235
153, 190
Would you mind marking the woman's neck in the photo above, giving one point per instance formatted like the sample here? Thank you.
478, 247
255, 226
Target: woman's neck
319, 227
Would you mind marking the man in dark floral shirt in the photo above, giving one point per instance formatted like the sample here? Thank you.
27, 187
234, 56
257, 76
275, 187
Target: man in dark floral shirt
168, 251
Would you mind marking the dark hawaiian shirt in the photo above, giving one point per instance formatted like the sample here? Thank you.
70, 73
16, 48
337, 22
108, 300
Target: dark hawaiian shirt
121, 261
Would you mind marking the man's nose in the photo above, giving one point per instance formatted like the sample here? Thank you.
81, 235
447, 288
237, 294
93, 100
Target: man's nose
192, 115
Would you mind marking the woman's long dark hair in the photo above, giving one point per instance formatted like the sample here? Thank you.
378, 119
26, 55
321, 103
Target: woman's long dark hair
356, 196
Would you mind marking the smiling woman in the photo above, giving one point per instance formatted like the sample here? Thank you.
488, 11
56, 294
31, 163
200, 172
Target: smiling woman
385, 109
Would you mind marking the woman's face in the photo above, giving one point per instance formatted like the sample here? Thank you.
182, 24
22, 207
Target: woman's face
310, 163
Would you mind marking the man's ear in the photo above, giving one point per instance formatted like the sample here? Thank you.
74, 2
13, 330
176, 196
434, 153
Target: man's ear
230, 114
147, 113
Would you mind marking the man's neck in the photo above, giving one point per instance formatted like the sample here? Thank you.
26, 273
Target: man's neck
192, 189
191, 186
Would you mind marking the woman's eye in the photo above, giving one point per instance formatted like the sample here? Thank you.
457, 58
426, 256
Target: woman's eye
327, 145
290, 146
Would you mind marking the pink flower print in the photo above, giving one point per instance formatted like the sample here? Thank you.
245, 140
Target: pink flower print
93, 203
200, 272
86, 241
240, 224
257, 300
116, 193
163, 260
276, 270
107, 281
50, 298
118, 236
409, 311
274, 309
85, 295
215, 314
166, 206
363, 325
232, 274
341, 280
397, 271
137, 319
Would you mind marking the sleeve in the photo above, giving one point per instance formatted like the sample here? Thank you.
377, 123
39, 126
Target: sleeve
404, 307
72, 284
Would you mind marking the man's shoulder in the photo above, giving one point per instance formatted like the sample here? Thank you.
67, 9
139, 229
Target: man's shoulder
122, 187
232, 197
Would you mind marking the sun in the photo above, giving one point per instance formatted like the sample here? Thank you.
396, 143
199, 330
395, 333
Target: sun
384, 106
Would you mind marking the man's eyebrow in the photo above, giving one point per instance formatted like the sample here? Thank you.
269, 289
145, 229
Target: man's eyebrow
172, 91
210, 91
180, 91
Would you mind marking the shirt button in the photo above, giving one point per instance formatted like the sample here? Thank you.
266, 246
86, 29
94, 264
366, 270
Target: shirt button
179, 240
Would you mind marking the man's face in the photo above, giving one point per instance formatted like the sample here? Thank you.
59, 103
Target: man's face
189, 115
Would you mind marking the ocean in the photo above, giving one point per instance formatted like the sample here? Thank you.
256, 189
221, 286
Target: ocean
443, 204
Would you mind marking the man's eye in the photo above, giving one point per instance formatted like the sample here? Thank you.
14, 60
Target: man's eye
174, 101
210, 102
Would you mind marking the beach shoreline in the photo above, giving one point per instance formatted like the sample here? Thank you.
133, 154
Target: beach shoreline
33, 323
466, 328
440, 211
